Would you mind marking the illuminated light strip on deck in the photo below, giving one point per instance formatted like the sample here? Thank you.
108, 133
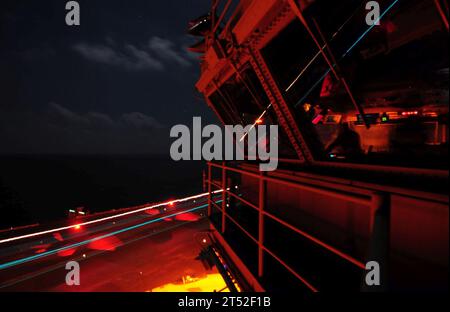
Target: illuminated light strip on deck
55, 251
106, 218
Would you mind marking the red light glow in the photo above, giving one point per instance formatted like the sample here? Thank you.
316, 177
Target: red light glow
66, 252
410, 113
189, 216
107, 243
58, 236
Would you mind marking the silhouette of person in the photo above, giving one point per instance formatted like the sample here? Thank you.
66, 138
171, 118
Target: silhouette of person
347, 143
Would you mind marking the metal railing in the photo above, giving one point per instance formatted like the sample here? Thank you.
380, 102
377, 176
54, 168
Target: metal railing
378, 203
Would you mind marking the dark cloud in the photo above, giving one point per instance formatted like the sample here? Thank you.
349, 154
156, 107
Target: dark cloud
62, 115
65, 116
141, 121
117, 82
57, 129
131, 58
165, 49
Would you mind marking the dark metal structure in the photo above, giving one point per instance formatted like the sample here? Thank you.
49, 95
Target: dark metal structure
363, 115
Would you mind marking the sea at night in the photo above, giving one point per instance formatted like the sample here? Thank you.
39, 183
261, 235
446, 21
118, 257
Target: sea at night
40, 189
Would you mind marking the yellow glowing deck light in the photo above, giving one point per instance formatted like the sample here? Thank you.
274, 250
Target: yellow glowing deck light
208, 283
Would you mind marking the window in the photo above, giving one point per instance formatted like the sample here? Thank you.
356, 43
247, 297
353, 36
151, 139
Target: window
242, 100
397, 73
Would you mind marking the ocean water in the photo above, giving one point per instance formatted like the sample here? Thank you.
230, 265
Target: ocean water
43, 188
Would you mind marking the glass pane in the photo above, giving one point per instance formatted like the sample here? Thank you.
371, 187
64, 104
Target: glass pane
397, 72
242, 100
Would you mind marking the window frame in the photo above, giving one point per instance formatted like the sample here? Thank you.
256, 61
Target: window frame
264, 38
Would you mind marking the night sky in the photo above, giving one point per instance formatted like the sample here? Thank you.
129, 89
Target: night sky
113, 85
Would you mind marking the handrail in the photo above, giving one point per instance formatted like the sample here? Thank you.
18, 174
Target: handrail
366, 200
293, 228
355, 198
284, 264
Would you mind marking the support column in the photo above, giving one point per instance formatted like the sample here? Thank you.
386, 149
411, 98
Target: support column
209, 189
261, 207
224, 196
379, 247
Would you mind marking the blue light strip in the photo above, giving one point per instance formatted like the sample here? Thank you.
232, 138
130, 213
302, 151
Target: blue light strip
370, 28
346, 52
314, 86
52, 252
